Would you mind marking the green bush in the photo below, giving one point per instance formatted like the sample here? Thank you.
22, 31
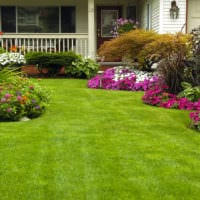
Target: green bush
20, 97
82, 68
2, 50
192, 93
51, 61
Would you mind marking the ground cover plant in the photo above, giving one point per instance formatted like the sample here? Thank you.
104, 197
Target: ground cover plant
123, 78
99, 144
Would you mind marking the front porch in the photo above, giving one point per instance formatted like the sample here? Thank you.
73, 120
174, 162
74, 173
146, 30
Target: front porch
48, 27
45, 42
79, 26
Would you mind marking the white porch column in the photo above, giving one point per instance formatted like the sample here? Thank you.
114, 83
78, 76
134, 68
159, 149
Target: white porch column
91, 30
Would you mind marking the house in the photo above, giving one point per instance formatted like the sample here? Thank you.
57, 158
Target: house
83, 25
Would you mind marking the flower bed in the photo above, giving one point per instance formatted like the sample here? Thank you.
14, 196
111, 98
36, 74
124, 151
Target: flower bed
157, 96
20, 97
123, 78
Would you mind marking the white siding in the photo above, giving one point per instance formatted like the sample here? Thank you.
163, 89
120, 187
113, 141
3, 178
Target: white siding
142, 14
155, 15
169, 25
193, 14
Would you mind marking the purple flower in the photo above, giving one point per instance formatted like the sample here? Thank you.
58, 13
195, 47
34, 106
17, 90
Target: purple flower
18, 93
9, 110
33, 101
37, 107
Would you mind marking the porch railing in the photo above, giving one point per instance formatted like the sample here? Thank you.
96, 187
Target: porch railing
39, 42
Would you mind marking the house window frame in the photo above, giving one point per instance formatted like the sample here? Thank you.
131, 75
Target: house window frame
128, 8
59, 17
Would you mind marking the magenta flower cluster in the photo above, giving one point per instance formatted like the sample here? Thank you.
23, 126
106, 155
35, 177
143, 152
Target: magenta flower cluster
124, 79
158, 97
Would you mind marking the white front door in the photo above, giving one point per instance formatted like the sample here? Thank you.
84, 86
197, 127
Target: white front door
193, 14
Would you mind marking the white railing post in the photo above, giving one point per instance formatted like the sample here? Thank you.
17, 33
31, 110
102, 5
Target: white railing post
47, 42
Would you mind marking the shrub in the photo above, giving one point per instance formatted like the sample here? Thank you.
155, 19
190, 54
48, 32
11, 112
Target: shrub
20, 97
82, 68
140, 45
51, 61
2, 50
129, 44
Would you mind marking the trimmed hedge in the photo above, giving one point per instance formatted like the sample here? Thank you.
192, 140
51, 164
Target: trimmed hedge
51, 61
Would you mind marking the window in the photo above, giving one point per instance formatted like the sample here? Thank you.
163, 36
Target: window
68, 19
131, 13
38, 19
8, 19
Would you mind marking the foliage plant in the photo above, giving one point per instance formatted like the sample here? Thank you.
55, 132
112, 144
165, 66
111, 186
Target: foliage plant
53, 62
123, 26
190, 92
20, 97
82, 68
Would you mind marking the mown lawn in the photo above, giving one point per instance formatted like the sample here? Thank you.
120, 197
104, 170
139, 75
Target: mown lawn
99, 145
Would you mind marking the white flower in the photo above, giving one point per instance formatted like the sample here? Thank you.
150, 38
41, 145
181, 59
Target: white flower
6, 58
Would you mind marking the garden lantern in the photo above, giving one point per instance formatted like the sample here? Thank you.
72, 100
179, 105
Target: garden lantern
174, 10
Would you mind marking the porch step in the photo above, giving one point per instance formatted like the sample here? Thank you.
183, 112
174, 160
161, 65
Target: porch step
113, 64
106, 65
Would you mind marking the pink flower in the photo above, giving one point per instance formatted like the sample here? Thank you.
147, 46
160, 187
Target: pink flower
7, 95
19, 98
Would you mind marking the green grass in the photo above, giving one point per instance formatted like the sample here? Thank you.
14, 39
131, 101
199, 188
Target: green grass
99, 145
